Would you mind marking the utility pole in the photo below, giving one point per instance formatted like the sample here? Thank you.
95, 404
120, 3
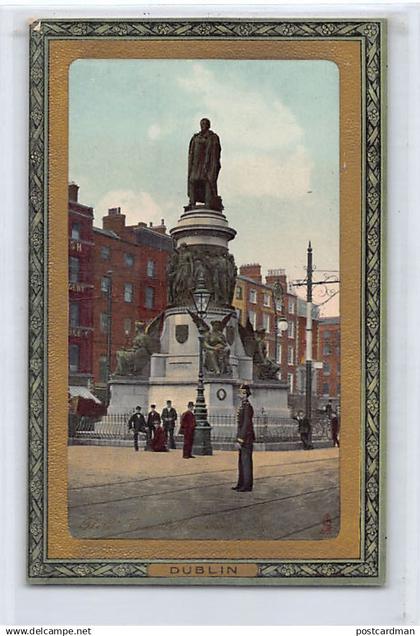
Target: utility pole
309, 268
109, 337
309, 283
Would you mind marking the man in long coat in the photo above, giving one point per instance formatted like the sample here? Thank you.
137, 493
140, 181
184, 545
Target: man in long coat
169, 417
187, 430
305, 430
138, 423
335, 428
245, 440
204, 166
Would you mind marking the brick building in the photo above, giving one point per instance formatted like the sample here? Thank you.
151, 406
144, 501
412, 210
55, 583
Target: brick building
254, 299
80, 233
329, 345
117, 275
129, 264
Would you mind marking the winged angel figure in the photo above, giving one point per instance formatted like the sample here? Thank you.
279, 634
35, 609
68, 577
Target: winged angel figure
134, 360
256, 348
215, 345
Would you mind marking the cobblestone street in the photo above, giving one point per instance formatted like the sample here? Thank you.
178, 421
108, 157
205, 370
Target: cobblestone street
118, 493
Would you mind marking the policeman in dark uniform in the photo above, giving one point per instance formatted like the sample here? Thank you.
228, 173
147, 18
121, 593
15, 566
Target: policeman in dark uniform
153, 419
245, 440
138, 423
169, 417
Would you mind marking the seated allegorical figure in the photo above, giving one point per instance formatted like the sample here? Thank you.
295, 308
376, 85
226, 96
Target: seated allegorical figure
216, 349
134, 360
266, 368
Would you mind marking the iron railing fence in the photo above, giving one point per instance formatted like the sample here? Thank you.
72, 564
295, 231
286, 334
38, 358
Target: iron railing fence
267, 428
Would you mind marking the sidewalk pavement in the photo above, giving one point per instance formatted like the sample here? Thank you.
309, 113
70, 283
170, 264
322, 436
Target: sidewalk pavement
119, 493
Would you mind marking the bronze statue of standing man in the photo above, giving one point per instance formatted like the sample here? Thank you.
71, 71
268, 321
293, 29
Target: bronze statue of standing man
204, 167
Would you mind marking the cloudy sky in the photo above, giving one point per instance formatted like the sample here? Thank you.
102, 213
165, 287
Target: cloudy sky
130, 126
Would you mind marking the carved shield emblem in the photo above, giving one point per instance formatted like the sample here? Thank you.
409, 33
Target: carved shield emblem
181, 333
230, 334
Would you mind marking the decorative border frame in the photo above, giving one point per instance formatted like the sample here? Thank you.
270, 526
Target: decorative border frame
369, 570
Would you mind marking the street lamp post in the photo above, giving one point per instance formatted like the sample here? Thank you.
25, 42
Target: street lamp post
202, 434
308, 404
109, 337
281, 323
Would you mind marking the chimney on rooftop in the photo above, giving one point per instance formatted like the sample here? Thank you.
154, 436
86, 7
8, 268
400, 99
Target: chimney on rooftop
252, 271
114, 221
73, 191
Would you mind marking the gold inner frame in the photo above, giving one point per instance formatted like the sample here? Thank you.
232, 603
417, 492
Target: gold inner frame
347, 56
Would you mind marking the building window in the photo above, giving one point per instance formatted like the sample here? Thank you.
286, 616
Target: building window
326, 369
151, 268
290, 382
326, 349
291, 329
325, 389
103, 368
239, 314
75, 231
129, 260
74, 314
239, 293
105, 253
290, 355
326, 335
105, 284
267, 302
74, 269
127, 326
266, 322
149, 297
103, 322
253, 296
128, 292
74, 358
278, 353
252, 316
292, 306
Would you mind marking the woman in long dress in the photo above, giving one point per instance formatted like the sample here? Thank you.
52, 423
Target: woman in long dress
159, 440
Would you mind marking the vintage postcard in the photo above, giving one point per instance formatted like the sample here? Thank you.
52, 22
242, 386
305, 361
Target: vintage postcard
206, 313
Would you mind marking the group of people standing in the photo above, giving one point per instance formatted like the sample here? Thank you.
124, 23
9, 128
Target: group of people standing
159, 428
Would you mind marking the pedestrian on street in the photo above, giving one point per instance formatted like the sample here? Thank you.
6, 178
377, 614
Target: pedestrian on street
159, 440
335, 429
169, 417
305, 430
245, 441
137, 423
187, 426
328, 409
153, 419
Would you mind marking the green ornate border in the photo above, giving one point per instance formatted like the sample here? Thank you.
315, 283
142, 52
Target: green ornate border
369, 570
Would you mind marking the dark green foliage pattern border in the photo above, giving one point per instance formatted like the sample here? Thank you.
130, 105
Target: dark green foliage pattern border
367, 570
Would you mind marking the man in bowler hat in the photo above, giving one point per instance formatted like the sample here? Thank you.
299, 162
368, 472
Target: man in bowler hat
187, 430
245, 440
138, 423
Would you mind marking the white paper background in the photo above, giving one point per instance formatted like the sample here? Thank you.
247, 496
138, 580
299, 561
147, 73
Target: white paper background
398, 601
